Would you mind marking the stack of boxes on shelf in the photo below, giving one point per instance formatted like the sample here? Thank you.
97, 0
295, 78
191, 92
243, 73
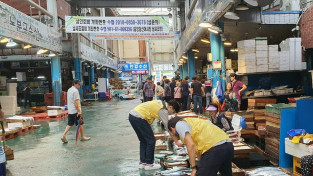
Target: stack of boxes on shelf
257, 56
273, 58
261, 54
246, 56
293, 47
116, 83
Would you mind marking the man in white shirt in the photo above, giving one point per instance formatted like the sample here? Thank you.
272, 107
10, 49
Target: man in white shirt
74, 111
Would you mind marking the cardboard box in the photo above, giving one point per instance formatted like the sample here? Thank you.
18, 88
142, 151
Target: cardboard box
54, 112
247, 69
246, 63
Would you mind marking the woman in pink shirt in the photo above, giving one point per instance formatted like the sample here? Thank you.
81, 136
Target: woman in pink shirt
178, 92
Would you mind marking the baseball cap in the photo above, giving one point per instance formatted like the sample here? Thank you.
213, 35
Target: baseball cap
76, 81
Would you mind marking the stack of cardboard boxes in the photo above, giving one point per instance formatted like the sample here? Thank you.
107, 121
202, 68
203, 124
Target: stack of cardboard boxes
116, 83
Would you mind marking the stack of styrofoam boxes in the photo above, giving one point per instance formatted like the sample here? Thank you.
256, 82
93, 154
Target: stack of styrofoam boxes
284, 60
11, 89
273, 58
9, 104
293, 46
261, 54
246, 56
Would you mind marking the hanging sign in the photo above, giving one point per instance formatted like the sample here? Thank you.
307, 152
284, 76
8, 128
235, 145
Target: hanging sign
19, 26
217, 65
154, 27
136, 67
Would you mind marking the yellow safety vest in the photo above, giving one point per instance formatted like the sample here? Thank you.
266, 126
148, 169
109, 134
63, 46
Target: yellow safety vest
205, 134
150, 110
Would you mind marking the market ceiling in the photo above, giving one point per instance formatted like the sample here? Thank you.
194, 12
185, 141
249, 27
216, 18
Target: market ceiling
126, 4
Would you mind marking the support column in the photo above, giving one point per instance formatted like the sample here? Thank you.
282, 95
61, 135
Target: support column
185, 70
215, 49
89, 79
107, 73
222, 58
181, 72
92, 77
191, 64
56, 80
78, 68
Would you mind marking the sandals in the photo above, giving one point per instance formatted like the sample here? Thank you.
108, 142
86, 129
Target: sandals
63, 139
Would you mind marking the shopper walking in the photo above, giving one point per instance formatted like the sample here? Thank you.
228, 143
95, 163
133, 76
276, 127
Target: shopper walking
196, 91
172, 86
27, 96
213, 147
238, 88
185, 93
148, 90
167, 90
159, 91
74, 111
162, 81
141, 117
178, 93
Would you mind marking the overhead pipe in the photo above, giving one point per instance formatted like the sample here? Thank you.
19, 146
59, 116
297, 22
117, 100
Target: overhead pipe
44, 11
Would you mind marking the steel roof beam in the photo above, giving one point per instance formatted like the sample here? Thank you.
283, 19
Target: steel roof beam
124, 4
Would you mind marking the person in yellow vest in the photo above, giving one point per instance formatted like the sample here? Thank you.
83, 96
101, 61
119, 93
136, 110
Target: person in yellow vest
141, 117
212, 146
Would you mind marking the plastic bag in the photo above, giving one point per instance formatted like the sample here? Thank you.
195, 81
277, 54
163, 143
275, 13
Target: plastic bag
243, 123
296, 132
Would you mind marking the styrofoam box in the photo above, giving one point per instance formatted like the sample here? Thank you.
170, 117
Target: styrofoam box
283, 67
262, 54
247, 69
246, 63
247, 57
273, 69
262, 68
273, 48
261, 48
297, 150
303, 65
18, 124
246, 51
54, 112
9, 104
261, 61
260, 42
273, 66
273, 54
244, 43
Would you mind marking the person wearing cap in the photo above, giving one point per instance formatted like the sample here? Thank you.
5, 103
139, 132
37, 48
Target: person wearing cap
140, 118
219, 119
148, 89
238, 88
212, 146
74, 111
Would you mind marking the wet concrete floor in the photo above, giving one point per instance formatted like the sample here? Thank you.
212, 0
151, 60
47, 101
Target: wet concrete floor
112, 151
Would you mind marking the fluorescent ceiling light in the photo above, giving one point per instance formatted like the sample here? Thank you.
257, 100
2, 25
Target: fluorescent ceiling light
41, 77
11, 43
234, 50
4, 40
205, 40
52, 54
213, 30
196, 57
184, 57
195, 50
205, 24
231, 15
227, 43
252, 2
242, 7
42, 51
27, 46
13, 78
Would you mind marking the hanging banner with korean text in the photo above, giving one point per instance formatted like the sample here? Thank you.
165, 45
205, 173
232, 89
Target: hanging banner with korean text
19, 26
137, 28
136, 67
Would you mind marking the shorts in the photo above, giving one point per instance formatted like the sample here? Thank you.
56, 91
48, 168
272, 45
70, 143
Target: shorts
239, 102
72, 119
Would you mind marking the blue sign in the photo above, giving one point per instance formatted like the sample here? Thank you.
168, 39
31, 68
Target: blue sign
136, 67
